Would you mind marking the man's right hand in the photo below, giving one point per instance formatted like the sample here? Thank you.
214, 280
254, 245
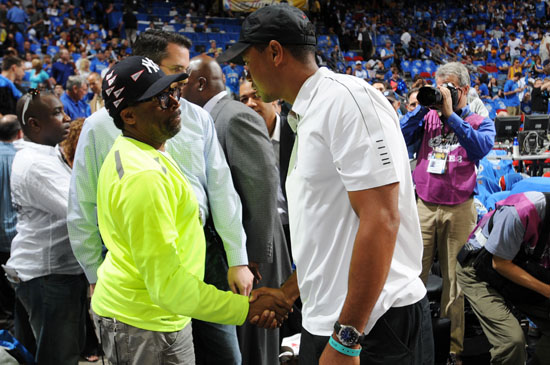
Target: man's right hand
270, 310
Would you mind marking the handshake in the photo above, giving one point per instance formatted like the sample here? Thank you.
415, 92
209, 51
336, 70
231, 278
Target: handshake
269, 307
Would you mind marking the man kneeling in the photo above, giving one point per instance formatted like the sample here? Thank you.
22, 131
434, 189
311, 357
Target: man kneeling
507, 260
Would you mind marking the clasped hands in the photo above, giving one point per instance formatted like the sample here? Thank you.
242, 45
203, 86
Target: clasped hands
269, 307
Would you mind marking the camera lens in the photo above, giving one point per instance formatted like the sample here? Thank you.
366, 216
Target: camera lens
429, 96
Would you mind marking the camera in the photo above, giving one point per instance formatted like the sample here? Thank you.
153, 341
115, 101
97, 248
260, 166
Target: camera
431, 97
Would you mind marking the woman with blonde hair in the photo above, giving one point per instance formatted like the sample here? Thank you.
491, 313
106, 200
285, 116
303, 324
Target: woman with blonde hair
84, 68
37, 75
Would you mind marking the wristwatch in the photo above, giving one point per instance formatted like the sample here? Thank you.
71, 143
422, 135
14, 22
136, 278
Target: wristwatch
347, 335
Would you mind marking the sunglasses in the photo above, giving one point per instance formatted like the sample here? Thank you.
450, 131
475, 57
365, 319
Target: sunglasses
31, 95
164, 97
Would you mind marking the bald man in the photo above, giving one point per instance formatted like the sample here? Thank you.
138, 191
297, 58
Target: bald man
245, 141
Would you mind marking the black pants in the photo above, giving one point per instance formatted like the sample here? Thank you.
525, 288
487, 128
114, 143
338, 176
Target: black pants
403, 335
7, 297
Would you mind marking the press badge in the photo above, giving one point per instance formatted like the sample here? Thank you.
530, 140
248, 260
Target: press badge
437, 162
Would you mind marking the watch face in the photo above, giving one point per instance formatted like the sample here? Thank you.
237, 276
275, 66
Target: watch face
348, 336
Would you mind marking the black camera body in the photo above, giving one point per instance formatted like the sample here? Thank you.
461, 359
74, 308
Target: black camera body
431, 97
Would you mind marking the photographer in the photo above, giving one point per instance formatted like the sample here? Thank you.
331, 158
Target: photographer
497, 275
453, 140
539, 96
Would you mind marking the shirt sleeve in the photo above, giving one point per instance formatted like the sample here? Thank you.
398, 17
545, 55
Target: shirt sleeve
360, 143
412, 125
82, 218
225, 204
476, 142
153, 239
507, 234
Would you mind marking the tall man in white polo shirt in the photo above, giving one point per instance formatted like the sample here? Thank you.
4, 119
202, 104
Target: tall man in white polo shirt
355, 234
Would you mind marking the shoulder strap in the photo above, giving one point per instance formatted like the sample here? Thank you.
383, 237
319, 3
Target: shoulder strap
544, 235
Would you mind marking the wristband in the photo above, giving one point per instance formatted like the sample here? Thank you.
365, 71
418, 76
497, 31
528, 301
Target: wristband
343, 349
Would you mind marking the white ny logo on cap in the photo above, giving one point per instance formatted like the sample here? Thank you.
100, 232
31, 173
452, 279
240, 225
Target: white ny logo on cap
151, 66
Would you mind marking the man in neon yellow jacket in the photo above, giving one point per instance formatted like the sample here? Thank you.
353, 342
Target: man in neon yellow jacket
151, 282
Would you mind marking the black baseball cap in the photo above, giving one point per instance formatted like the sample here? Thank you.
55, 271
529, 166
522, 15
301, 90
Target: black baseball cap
134, 79
284, 23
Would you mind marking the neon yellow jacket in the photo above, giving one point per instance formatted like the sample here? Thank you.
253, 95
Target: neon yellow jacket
152, 276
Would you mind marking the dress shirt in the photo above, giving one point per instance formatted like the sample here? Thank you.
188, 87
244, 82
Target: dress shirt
213, 101
282, 207
196, 150
40, 188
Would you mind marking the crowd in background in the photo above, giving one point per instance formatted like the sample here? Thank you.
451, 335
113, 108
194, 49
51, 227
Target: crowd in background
68, 47
398, 45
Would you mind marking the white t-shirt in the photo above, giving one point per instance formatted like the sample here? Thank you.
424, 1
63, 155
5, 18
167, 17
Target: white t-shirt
362, 74
348, 140
514, 47
405, 38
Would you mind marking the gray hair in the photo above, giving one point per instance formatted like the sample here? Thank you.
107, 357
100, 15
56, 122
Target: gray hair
74, 80
454, 69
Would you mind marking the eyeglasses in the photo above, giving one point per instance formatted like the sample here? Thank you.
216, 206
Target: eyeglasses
177, 69
164, 97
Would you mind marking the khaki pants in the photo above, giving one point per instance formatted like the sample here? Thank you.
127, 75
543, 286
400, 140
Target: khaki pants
499, 324
513, 110
127, 345
447, 227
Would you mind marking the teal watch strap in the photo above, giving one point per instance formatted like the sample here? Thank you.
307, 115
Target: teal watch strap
343, 349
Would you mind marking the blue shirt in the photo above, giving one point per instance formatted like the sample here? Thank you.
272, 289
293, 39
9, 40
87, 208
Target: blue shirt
17, 15
98, 66
8, 215
389, 61
232, 76
74, 109
476, 142
512, 99
61, 72
540, 10
501, 63
483, 90
7, 83
35, 79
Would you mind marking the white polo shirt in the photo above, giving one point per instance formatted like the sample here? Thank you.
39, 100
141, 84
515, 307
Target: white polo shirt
348, 140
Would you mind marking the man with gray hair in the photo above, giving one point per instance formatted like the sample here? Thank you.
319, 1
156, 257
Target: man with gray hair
453, 140
73, 98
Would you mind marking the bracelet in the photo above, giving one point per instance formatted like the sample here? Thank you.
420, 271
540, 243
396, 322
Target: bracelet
343, 349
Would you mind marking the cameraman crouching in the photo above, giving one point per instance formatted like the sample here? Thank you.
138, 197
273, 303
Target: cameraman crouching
453, 140
507, 260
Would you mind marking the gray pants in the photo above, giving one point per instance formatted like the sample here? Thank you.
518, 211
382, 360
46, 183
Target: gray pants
127, 345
